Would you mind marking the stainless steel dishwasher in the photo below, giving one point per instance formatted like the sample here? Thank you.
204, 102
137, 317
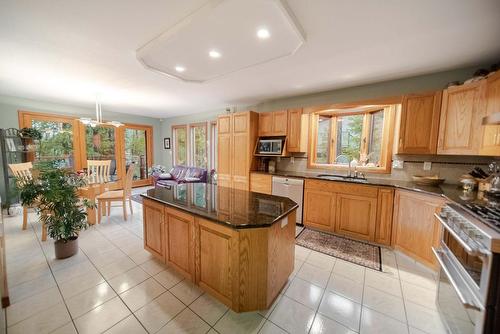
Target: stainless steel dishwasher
291, 188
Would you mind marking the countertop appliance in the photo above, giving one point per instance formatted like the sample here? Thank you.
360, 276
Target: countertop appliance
270, 146
291, 188
468, 294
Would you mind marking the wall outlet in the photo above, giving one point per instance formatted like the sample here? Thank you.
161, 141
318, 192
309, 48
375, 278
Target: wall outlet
398, 164
427, 165
292, 160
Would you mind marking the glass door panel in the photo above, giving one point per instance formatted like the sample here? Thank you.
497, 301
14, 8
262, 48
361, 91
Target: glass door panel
56, 142
136, 152
101, 145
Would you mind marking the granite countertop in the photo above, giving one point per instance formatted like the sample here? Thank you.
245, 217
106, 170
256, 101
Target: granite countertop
452, 192
231, 207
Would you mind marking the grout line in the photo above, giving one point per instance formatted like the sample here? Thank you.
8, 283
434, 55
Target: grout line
54, 277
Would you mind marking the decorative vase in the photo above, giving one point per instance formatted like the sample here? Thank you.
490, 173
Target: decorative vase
66, 248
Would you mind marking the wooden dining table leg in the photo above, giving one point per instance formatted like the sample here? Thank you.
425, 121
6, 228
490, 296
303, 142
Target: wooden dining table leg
91, 212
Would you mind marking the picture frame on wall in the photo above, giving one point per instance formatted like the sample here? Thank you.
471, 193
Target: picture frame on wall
166, 143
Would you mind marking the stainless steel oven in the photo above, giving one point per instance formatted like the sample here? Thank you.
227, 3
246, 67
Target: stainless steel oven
467, 294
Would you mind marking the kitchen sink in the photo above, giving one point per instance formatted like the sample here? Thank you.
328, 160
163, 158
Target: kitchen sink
342, 177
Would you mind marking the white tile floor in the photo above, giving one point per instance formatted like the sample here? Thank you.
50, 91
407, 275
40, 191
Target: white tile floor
114, 286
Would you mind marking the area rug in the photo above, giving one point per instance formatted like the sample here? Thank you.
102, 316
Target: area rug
137, 198
346, 249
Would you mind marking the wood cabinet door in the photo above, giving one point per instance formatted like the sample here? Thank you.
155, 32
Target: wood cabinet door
217, 260
180, 241
240, 165
265, 124
490, 144
415, 227
153, 220
261, 183
294, 135
356, 216
462, 110
319, 209
280, 122
418, 133
383, 228
224, 148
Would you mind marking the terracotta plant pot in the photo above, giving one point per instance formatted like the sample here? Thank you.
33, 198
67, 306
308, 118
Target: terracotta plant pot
66, 249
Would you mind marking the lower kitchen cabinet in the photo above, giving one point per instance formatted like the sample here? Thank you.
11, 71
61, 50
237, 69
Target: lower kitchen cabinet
385, 205
356, 216
154, 225
319, 209
348, 209
179, 241
217, 259
261, 183
416, 230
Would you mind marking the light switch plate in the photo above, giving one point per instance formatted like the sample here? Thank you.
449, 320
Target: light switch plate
427, 165
397, 164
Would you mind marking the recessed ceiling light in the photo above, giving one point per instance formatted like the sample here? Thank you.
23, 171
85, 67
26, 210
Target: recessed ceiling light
263, 33
180, 69
214, 54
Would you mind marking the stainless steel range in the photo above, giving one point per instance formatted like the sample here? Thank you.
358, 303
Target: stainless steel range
468, 296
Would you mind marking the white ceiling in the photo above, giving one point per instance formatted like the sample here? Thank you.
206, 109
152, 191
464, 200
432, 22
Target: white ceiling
68, 50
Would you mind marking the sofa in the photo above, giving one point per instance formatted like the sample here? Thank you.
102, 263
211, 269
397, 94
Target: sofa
178, 175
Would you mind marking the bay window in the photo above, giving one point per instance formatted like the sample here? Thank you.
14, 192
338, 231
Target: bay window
361, 135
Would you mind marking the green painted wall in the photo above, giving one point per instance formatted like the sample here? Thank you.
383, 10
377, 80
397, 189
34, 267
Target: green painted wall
376, 90
9, 119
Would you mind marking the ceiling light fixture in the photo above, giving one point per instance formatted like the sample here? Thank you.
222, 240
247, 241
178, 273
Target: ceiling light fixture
263, 33
180, 69
98, 115
214, 54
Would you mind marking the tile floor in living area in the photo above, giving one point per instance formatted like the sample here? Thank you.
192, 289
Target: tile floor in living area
112, 285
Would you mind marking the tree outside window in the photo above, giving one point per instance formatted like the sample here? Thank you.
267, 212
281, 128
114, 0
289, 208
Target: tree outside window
359, 134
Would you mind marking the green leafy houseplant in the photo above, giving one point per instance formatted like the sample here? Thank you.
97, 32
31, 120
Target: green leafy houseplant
54, 193
30, 133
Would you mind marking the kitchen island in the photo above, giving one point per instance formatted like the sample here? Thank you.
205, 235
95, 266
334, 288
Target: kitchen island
236, 245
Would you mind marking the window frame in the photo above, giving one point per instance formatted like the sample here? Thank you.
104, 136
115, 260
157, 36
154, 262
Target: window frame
191, 147
211, 143
174, 144
386, 142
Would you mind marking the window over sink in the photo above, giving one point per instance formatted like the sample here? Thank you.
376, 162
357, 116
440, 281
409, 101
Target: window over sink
361, 135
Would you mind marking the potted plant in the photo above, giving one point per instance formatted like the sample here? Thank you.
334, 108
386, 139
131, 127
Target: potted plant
27, 136
54, 193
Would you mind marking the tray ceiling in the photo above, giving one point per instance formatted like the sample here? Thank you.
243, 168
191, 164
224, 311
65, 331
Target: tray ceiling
222, 37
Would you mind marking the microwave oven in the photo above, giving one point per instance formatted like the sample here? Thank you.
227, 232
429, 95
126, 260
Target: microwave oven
270, 146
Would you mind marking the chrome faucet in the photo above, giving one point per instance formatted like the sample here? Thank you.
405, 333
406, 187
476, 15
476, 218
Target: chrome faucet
349, 161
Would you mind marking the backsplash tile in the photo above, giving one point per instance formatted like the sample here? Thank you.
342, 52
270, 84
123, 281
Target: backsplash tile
449, 168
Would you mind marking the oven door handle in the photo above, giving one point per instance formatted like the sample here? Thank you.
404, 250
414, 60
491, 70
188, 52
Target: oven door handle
466, 247
467, 303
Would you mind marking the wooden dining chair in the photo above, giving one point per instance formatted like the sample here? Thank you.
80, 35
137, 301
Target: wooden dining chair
23, 172
122, 196
98, 168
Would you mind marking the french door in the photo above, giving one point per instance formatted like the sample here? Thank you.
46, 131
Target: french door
73, 143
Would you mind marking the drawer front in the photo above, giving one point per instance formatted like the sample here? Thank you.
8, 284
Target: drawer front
343, 187
261, 183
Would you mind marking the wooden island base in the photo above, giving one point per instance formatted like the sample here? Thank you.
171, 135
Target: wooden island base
244, 268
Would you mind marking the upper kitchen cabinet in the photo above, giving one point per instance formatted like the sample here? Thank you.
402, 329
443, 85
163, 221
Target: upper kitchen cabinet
490, 144
297, 131
419, 127
273, 123
236, 139
462, 110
